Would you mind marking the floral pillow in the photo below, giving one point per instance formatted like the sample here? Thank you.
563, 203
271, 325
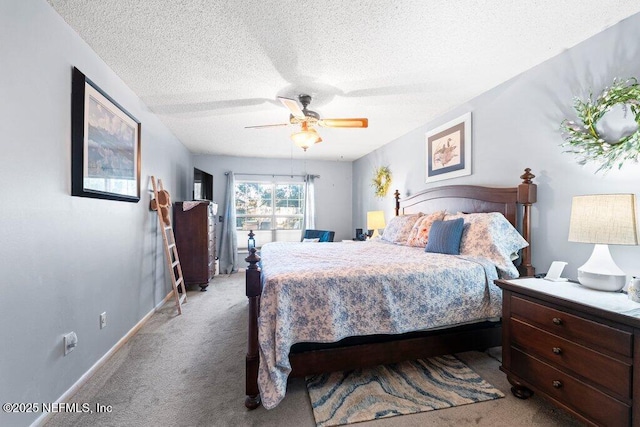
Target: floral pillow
491, 235
399, 227
419, 234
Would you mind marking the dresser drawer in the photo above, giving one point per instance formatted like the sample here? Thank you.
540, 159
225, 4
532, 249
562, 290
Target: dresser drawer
582, 398
573, 327
609, 372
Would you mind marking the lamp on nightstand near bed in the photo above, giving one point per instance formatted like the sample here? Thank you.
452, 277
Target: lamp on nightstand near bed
375, 221
603, 219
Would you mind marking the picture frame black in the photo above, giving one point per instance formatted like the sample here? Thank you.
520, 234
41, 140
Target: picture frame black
105, 145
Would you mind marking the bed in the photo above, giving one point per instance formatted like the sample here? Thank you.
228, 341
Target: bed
330, 283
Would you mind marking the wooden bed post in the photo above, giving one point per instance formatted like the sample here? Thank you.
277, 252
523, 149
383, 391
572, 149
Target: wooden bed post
397, 196
253, 290
527, 195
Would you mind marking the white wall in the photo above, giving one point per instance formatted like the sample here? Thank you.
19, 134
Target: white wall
516, 125
64, 260
333, 188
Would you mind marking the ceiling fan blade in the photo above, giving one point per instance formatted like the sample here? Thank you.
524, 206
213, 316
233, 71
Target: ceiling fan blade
266, 126
344, 123
293, 106
408, 89
196, 107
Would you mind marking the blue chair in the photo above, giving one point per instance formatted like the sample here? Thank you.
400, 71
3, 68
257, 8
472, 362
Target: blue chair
323, 235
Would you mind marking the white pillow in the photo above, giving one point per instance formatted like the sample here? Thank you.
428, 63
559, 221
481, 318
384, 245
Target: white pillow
316, 240
490, 235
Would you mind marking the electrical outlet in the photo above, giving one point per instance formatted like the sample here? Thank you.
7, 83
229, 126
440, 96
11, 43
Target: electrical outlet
103, 320
70, 342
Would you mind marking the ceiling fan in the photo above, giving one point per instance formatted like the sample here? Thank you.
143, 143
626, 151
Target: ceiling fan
307, 119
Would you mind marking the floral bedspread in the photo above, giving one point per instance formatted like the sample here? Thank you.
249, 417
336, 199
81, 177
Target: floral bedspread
323, 292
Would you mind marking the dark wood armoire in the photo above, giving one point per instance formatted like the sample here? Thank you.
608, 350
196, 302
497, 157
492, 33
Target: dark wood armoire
195, 231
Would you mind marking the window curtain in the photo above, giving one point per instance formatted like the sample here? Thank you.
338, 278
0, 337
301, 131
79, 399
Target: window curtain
309, 222
229, 243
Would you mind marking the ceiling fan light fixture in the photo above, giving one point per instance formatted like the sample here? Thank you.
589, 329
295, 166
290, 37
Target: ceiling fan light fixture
307, 119
306, 138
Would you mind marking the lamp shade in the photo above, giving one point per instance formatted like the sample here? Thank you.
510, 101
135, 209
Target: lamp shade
306, 137
375, 221
604, 219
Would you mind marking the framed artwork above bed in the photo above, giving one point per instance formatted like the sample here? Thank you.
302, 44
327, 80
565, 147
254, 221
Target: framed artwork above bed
448, 149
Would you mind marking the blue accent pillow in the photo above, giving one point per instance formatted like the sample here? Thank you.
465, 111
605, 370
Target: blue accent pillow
445, 237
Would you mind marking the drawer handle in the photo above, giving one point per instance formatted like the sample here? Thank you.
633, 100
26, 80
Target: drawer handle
557, 384
557, 321
556, 350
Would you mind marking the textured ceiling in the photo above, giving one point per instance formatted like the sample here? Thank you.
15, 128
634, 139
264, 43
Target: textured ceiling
210, 68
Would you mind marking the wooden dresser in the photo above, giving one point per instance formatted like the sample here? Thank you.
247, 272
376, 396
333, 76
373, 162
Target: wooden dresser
195, 230
577, 347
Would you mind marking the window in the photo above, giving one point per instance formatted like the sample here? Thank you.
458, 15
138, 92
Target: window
274, 211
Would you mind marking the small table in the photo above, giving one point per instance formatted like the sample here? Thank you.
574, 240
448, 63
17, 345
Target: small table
577, 347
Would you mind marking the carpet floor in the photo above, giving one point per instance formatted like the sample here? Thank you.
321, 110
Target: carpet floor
189, 371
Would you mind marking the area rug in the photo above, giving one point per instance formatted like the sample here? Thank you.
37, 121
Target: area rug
403, 388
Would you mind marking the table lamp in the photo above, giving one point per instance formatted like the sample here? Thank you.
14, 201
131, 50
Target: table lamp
251, 241
603, 219
375, 220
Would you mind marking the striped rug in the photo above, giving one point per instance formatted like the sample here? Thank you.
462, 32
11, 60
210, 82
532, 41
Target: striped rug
404, 388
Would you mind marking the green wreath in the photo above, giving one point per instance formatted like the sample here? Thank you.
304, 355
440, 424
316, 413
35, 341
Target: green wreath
382, 181
583, 138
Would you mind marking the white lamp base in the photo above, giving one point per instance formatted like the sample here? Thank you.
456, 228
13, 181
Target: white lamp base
600, 272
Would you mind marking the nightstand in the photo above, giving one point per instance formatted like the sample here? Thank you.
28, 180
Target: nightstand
577, 347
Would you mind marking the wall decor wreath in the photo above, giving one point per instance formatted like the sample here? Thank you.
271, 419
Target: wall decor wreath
382, 181
583, 139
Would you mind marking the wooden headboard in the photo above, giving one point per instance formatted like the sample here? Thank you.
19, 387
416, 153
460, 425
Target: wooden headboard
513, 202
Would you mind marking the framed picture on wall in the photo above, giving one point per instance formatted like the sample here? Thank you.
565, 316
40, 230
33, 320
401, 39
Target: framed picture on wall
105, 145
449, 150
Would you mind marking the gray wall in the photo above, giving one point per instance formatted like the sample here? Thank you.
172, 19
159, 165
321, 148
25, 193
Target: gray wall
333, 188
64, 260
516, 125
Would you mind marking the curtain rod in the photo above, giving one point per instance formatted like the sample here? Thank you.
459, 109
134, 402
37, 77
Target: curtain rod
271, 174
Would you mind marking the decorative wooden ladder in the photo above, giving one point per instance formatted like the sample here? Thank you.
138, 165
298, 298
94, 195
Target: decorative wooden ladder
161, 204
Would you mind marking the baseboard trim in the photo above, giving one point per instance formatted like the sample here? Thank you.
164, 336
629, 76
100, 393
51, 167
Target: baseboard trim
87, 375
